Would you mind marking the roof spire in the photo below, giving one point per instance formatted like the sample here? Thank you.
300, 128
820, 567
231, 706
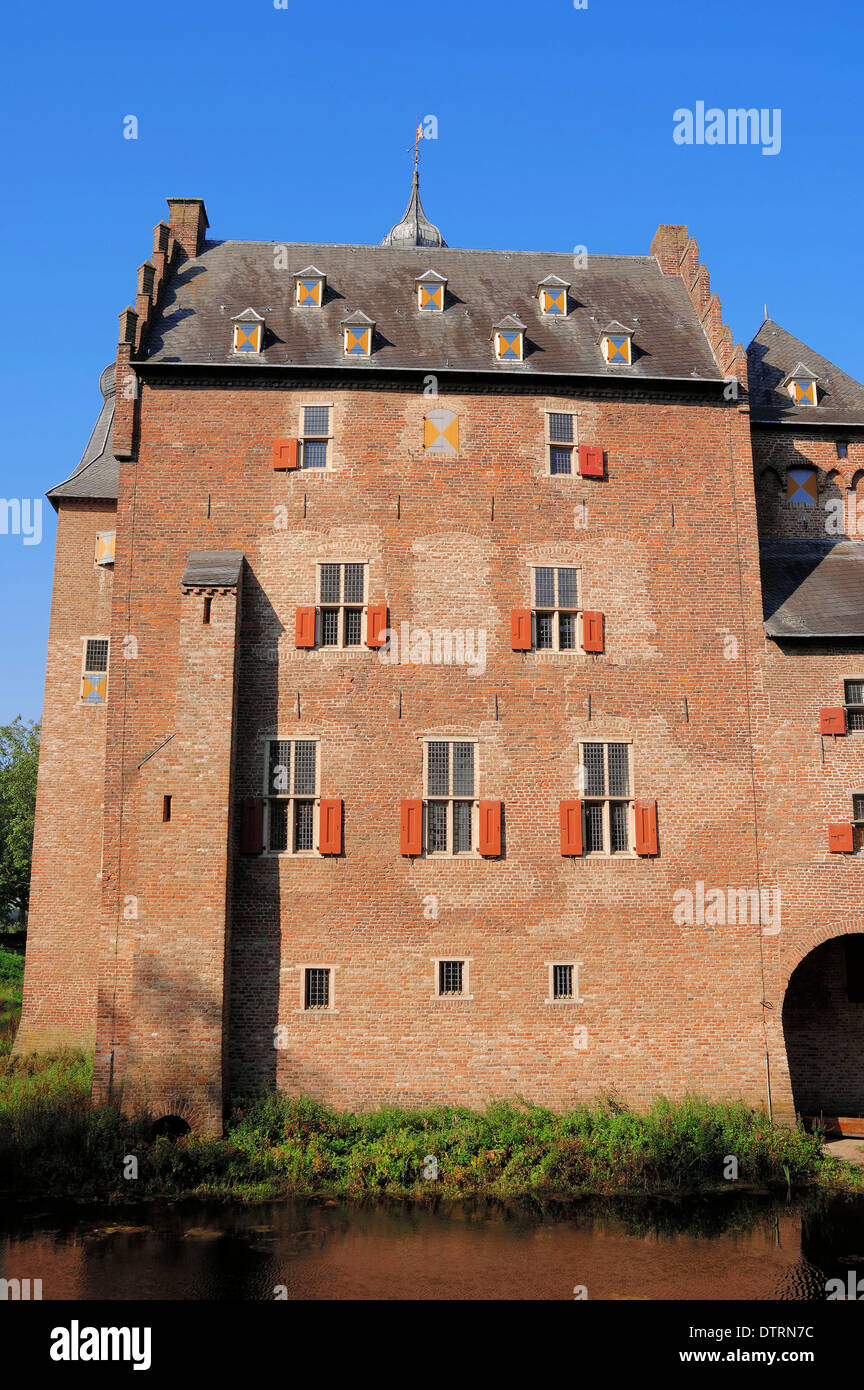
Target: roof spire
414, 229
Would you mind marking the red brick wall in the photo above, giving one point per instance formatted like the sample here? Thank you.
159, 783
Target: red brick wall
60, 978
657, 1001
723, 723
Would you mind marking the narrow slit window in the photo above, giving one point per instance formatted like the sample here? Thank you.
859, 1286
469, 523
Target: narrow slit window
560, 439
166, 808
315, 439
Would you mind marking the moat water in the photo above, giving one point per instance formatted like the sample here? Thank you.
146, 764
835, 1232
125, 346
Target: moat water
736, 1247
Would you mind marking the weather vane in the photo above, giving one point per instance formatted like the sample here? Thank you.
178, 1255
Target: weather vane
418, 136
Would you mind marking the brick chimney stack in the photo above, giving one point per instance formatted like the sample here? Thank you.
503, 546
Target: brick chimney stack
187, 219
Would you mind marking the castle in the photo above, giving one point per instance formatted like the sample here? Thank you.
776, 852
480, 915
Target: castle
427, 625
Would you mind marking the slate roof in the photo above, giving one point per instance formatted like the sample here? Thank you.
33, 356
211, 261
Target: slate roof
813, 588
213, 569
771, 356
194, 322
98, 474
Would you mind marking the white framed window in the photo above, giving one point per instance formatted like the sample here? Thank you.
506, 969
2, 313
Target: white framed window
450, 786
854, 700
607, 806
341, 603
291, 796
562, 982
94, 670
555, 599
450, 978
561, 443
315, 436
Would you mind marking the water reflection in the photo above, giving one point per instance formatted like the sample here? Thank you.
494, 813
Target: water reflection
735, 1247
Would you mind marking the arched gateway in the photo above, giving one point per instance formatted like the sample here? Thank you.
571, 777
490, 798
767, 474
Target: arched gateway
823, 1029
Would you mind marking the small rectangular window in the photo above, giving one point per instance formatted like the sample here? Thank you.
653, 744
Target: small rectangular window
315, 437
317, 988
562, 981
450, 974
854, 690
166, 808
842, 449
560, 441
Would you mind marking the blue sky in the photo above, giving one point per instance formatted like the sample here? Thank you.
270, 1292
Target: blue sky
554, 130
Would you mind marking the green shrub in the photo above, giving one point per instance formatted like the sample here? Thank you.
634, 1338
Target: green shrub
54, 1141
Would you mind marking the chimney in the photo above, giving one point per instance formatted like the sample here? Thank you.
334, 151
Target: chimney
669, 245
187, 219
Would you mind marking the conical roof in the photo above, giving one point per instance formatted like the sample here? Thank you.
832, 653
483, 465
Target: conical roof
414, 229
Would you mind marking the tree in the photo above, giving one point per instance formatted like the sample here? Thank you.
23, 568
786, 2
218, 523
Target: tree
19, 762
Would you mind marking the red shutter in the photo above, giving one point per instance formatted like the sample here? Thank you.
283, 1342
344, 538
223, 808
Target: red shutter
592, 632
646, 827
571, 827
252, 825
412, 827
832, 721
305, 629
330, 825
376, 623
286, 453
841, 839
591, 460
520, 629
490, 827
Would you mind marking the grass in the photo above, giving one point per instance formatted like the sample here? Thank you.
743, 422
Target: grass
54, 1142
11, 985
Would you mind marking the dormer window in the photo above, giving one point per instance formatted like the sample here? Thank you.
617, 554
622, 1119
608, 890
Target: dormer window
801, 384
309, 287
358, 330
430, 291
552, 294
616, 344
509, 339
248, 331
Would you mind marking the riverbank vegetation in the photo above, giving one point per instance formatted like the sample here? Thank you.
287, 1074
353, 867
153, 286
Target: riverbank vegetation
54, 1142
